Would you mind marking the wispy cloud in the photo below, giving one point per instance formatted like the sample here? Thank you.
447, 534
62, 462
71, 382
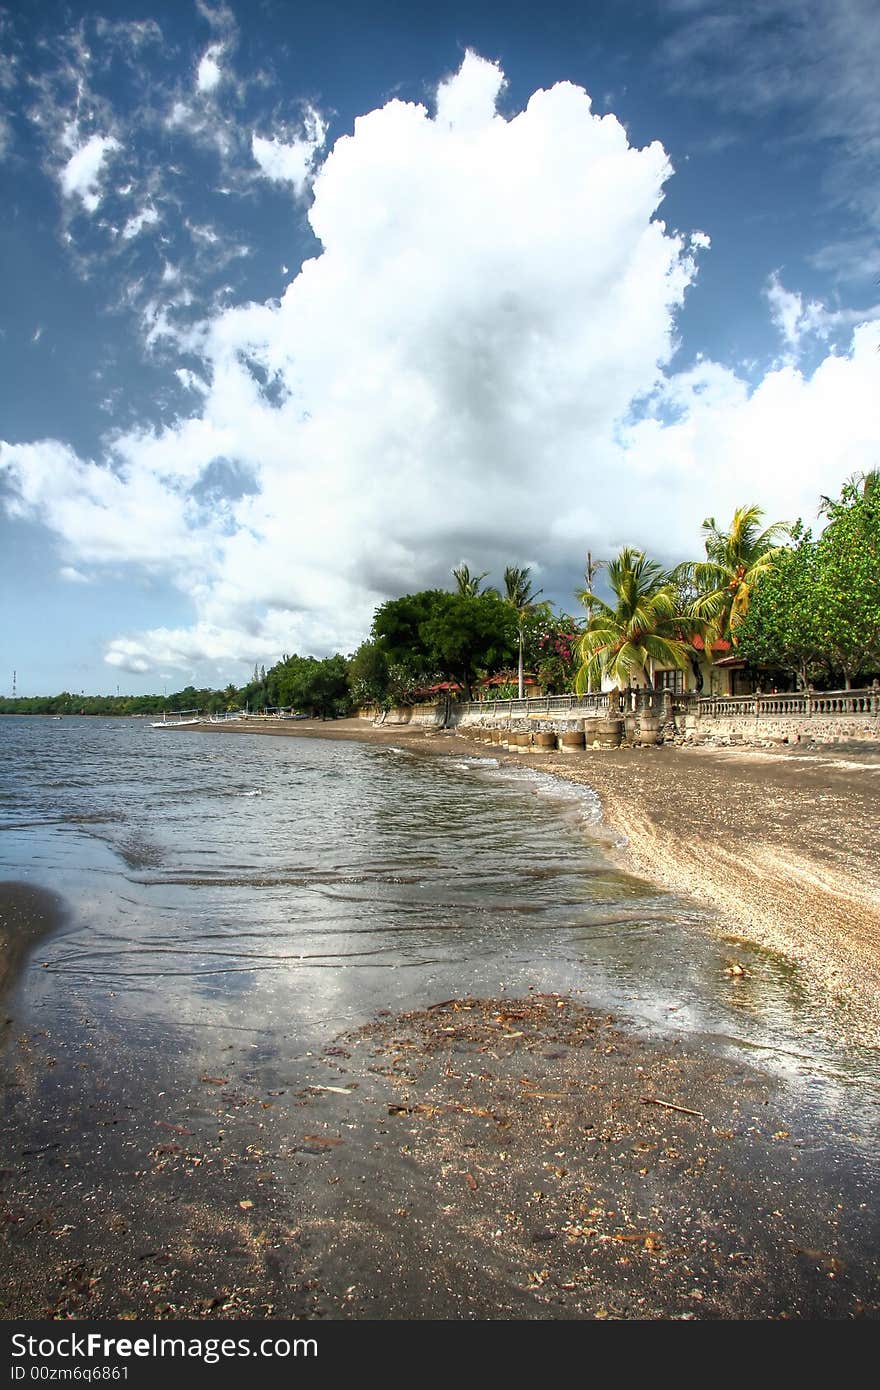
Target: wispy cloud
802, 323
289, 157
815, 59
209, 73
119, 128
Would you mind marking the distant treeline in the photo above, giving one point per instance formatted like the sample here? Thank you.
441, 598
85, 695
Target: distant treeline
301, 683
65, 703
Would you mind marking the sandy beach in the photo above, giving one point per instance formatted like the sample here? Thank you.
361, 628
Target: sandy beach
783, 843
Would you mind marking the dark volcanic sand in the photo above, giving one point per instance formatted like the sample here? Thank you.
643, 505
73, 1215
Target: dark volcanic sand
478, 1159
26, 914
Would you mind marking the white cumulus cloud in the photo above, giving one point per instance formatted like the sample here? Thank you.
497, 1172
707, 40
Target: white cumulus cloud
477, 363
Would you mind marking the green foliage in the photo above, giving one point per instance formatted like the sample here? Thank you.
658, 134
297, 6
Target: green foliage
817, 611
644, 625
469, 635
735, 561
318, 688
780, 627
847, 600
398, 625
67, 703
434, 635
470, 584
369, 674
551, 648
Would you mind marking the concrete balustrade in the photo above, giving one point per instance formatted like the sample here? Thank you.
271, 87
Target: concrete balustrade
648, 717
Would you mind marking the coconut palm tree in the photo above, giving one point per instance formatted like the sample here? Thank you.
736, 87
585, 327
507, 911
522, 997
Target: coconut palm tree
520, 595
469, 584
735, 561
591, 569
644, 626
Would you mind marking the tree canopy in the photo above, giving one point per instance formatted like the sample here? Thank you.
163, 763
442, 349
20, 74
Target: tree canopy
735, 561
816, 612
643, 625
447, 636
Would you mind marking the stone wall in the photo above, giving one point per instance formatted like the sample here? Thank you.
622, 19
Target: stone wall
693, 724
766, 730
422, 716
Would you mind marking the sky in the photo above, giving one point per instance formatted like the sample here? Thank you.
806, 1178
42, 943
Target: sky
303, 306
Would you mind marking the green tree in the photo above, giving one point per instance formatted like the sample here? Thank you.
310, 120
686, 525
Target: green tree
368, 674
780, 627
319, 688
467, 636
435, 635
398, 625
469, 585
644, 625
735, 561
521, 598
848, 591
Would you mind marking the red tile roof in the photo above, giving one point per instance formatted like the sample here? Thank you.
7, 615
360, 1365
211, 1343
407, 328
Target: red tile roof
722, 645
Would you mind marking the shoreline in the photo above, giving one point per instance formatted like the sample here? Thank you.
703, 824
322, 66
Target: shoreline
27, 913
781, 844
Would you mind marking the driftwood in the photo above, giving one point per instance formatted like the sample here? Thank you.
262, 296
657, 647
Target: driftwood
667, 1105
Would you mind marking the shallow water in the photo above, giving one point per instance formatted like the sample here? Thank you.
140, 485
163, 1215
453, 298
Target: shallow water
233, 886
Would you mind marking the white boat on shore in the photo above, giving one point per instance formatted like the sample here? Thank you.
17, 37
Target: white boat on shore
179, 717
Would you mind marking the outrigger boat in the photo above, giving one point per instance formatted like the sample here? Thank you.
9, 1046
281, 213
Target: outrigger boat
178, 718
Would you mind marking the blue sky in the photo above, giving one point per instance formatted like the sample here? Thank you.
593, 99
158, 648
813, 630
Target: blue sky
303, 306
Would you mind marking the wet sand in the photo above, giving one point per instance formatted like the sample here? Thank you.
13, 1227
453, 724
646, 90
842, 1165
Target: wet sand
477, 1159
784, 844
26, 914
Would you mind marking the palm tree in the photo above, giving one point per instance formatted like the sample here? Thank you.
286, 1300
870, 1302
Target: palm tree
520, 595
644, 626
735, 561
469, 584
591, 569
